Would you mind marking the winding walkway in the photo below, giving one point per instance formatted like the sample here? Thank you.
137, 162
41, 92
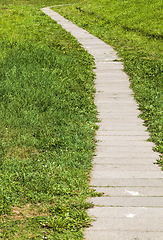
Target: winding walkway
132, 204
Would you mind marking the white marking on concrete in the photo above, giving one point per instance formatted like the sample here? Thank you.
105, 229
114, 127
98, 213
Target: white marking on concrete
132, 193
130, 215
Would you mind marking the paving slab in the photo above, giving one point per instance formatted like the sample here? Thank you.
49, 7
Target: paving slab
131, 149
115, 75
113, 89
113, 98
118, 106
86, 43
110, 65
125, 142
126, 235
131, 191
112, 84
124, 160
119, 116
125, 212
127, 224
111, 68
123, 133
128, 182
100, 50
123, 120
141, 168
121, 127
111, 71
108, 53
100, 94
82, 37
105, 173
127, 201
105, 83
127, 154
107, 59
133, 139
123, 165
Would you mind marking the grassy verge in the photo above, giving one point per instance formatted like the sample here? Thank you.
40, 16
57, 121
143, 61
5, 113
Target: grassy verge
135, 30
47, 127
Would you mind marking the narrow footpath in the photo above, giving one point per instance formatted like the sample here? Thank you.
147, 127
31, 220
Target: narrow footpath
132, 203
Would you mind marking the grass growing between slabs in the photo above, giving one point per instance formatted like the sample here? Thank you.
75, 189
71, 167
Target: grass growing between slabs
135, 30
47, 127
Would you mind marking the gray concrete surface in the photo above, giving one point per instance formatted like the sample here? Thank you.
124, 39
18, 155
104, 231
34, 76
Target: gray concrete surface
132, 204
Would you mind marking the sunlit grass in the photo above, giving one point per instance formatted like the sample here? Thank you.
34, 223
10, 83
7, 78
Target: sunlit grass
47, 127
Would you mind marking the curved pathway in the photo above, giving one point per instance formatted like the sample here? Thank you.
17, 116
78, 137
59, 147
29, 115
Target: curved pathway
132, 204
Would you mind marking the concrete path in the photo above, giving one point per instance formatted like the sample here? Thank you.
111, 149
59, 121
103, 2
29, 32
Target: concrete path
132, 204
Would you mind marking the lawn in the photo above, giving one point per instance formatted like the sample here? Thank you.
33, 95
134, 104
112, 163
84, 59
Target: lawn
47, 126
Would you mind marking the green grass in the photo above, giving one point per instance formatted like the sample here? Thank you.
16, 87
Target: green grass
47, 127
134, 28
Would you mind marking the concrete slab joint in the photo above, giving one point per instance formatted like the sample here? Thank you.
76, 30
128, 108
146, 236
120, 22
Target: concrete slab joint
132, 186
